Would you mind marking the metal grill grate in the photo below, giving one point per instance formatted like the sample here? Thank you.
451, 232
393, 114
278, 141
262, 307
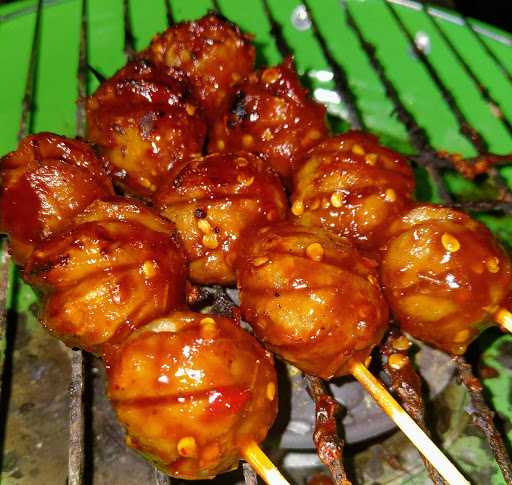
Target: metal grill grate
426, 155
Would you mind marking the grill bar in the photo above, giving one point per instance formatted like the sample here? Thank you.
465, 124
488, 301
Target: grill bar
417, 135
77, 387
168, 11
329, 445
476, 33
466, 129
340, 77
28, 97
483, 90
129, 40
276, 32
483, 417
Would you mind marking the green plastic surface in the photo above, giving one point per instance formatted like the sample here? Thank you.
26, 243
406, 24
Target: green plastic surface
56, 84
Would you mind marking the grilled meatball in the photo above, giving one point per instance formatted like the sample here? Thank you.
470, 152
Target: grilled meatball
272, 116
116, 269
352, 185
212, 52
44, 184
212, 200
311, 297
144, 120
192, 390
444, 276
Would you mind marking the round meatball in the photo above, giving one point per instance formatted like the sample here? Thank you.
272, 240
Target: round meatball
311, 297
212, 201
444, 276
118, 268
271, 115
192, 390
354, 186
144, 120
45, 182
212, 52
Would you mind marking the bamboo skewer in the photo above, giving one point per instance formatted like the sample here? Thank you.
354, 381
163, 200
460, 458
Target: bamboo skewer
260, 462
417, 436
504, 318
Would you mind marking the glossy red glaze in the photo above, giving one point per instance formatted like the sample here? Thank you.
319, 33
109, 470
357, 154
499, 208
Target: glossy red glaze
310, 297
272, 116
354, 186
116, 269
45, 182
212, 201
212, 52
444, 276
144, 120
197, 380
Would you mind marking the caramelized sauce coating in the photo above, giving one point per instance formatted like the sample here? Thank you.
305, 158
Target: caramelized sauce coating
444, 276
272, 116
352, 185
311, 297
213, 53
192, 390
212, 201
144, 120
118, 268
45, 182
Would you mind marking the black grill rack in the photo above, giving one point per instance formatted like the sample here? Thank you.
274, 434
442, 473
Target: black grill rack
426, 157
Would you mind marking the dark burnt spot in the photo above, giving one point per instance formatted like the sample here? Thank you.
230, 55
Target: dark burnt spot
199, 213
238, 107
147, 123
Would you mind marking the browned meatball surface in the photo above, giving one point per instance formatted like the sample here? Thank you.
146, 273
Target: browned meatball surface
311, 297
273, 116
354, 186
212, 201
212, 52
45, 182
444, 276
144, 120
118, 268
192, 390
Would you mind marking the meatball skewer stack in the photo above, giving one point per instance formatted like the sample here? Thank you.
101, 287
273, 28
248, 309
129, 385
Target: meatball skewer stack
315, 301
444, 275
110, 274
264, 118
310, 296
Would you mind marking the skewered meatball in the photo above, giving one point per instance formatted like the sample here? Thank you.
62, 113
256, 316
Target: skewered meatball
212, 200
192, 390
444, 276
272, 116
352, 185
45, 183
144, 120
212, 52
311, 297
116, 269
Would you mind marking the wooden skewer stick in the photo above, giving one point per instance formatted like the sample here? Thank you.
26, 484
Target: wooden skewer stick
418, 437
504, 318
254, 455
